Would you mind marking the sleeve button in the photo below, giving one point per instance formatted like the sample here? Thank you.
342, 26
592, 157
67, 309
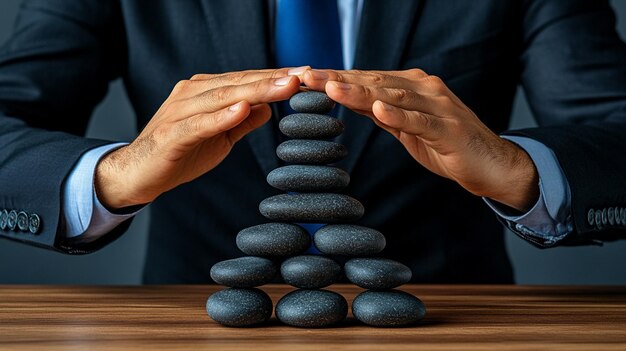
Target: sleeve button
4, 217
22, 221
12, 220
34, 222
598, 219
591, 217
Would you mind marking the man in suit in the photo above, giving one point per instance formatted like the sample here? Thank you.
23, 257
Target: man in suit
437, 77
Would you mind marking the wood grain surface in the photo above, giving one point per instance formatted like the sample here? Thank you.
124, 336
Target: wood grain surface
466, 317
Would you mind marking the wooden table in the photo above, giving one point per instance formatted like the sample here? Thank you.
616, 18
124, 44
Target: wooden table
173, 317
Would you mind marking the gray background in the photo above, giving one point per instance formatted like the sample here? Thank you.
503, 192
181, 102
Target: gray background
121, 262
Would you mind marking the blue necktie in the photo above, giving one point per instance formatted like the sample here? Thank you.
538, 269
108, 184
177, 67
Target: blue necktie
307, 32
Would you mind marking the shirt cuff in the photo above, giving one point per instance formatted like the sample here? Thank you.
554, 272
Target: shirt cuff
85, 216
549, 220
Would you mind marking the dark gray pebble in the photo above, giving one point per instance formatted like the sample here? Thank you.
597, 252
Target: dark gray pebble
273, 239
312, 102
392, 308
310, 271
308, 178
312, 208
311, 308
349, 240
311, 151
310, 126
377, 273
239, 307
244, 272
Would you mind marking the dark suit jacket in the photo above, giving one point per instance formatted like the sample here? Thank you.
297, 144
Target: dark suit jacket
565, 53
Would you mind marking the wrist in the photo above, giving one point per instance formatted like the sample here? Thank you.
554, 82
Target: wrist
517, 183
113, 183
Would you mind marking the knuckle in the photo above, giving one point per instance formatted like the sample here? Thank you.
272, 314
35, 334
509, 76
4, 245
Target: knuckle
416, 73
200, 76
277, 73
221, 94
180, 86
400, 94
367, 93
377, 79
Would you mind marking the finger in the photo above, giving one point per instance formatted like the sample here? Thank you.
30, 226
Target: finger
417, 123
203, 82
259, 115
258, 92
206, 125
361, 97
317, 79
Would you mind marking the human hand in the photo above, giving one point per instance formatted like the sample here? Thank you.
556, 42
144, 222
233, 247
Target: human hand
437, 129
191, 133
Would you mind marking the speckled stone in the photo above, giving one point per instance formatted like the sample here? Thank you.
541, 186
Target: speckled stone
377, 273
308, 178
239, 307
310, 126
312, 102
312, 208
392, 308
349, 240
311, 151
310, 271
244, 272
273, 240
311, 308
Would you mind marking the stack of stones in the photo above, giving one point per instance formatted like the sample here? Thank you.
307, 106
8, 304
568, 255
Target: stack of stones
311, 185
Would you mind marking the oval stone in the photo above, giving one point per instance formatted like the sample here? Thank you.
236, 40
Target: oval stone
239, 307
390, 308
273, 240
312, 102
377, 273
308, 178
349, 240
310, 126
244, 272
311, 151
311, 308
310, 271
312, 208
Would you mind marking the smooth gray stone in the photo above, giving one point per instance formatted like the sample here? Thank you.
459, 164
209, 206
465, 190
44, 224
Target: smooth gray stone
244, 272
312, 208
312, 102
311, 151
392, 308
377, 273
308, 178
311, 308
310, 126
273, 240
310, 271
239, 307
349, 240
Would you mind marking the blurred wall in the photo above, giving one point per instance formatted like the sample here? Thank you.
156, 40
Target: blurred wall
121, 262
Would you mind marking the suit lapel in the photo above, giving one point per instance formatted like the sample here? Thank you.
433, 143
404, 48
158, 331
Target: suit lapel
385, 28
240, 30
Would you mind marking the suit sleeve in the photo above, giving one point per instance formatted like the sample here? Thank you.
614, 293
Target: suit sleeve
53, 71
573, 71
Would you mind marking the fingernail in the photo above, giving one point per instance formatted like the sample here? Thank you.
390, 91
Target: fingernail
342, 86
282, 81
297, 71
319, 75
235, 107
